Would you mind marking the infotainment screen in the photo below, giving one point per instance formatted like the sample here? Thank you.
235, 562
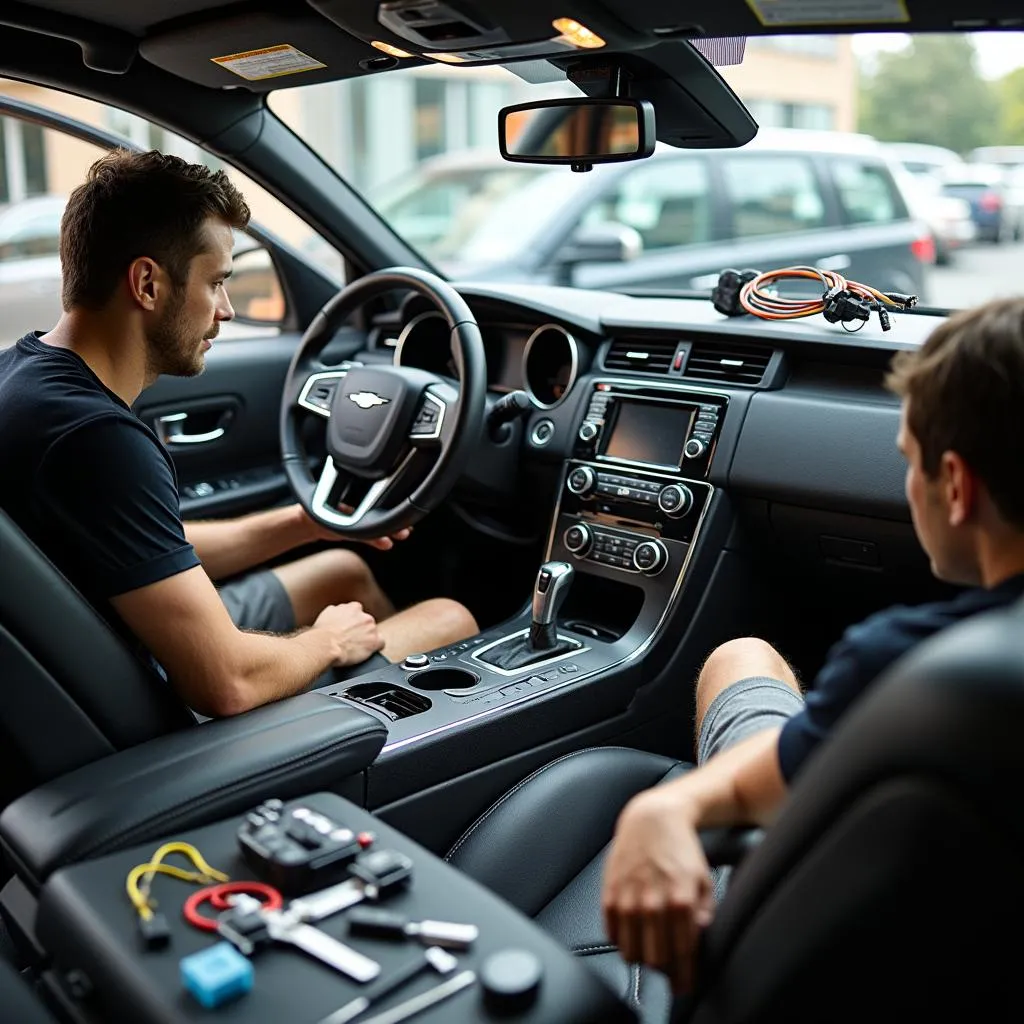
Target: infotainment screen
649, 432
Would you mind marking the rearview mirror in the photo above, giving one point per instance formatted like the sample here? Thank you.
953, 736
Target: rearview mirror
579, 132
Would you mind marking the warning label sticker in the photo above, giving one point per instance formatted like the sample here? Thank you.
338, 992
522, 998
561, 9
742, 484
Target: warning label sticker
828, 12
270, 62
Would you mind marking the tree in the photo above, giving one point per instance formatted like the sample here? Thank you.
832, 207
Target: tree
931, 92
1011, 90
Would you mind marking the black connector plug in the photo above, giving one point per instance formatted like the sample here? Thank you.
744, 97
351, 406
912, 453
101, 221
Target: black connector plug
725, 296
155, 931
883, 317
906, 301
844, 307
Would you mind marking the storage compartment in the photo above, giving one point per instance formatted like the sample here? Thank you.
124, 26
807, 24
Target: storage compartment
601, 608
395, 701
444, 679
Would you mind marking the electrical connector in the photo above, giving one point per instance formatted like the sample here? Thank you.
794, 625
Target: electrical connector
906, 301
725, 296
155, 931
883, 317
845, 308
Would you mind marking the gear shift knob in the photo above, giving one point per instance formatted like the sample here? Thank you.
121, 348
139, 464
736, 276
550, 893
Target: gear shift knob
550, 590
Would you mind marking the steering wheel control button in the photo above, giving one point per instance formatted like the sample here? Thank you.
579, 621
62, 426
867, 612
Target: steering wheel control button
543, 431
650, 557
577, 539
675, 500
695, 448
415, 661
581, 480
510, 979
588, 431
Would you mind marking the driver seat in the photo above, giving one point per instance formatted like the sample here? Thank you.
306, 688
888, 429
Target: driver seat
71, 689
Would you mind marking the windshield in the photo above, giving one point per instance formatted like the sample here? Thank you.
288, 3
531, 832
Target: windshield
900, 167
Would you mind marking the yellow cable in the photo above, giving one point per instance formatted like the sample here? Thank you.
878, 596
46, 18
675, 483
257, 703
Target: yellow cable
139, 894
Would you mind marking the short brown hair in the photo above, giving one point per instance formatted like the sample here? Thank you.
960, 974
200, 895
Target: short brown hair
139, 204
965, 388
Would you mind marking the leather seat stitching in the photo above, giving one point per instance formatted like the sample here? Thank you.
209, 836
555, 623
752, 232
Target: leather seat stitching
463, 839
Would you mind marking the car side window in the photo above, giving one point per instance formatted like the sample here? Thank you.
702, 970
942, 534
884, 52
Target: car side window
866, 192
772, 195
665, 200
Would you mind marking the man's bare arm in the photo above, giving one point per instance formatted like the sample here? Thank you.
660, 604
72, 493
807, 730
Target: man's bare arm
230, 546
220, 670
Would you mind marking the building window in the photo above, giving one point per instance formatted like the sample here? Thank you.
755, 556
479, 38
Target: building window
773, 114
22, 160
430, 134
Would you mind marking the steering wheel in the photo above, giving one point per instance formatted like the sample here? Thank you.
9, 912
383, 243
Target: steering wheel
397, 437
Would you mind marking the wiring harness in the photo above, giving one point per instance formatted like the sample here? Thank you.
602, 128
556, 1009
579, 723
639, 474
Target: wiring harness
844, 302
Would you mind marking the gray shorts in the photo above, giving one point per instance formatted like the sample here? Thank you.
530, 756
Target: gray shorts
258, 601
742, 709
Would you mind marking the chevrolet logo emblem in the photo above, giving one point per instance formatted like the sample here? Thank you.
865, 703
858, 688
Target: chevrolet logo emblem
367, 399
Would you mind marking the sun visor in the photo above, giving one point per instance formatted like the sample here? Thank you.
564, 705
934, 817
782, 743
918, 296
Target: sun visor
694, 107
263, 51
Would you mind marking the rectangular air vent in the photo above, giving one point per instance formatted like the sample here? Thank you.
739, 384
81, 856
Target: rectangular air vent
641, 355
729, 362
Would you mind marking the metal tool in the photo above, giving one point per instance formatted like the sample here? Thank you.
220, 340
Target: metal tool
284, 927
425, 1000
377, 923
433, 958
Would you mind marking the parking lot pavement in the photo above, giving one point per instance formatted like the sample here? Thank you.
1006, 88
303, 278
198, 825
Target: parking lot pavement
976, 274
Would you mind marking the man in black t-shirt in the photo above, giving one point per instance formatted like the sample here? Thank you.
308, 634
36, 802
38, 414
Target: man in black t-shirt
145, 250
962, 434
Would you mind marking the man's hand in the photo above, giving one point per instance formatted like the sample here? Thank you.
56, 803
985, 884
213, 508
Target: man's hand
657, 886
355, 631
380, 543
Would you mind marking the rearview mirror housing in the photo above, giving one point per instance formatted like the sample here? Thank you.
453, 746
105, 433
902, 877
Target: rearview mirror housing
579, 132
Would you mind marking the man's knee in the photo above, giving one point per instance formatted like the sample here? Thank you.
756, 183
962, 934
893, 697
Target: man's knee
452, 620
740, 659
344, 564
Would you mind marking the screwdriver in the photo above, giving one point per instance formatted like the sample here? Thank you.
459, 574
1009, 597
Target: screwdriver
377, 923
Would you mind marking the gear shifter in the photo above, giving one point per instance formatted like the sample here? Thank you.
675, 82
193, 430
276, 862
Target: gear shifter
541, 641
550, 590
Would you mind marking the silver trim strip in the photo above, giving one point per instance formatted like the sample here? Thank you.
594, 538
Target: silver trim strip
442, 406
533, 665
311, 381
322, 494
637, 652
574, 365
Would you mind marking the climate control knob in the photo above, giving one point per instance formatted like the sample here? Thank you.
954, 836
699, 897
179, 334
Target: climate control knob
578, 539
650, 557
695, 448
675, 500
581, 481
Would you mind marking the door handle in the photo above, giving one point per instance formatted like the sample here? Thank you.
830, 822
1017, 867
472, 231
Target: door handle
171, 429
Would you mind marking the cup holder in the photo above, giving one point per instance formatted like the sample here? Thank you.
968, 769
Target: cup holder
443, 679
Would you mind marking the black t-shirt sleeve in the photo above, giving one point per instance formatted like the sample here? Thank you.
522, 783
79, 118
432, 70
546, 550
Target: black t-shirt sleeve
110, 501
863, 653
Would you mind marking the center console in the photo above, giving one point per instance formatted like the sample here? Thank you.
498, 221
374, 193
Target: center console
633, 497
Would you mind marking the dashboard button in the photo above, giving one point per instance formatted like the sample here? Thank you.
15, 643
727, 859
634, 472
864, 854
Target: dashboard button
588, 431
650, 557
675, 500
578, 539
695, 448
414, 661
542, 432
581, 480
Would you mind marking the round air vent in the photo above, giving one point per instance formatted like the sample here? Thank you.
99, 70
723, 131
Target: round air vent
551, 362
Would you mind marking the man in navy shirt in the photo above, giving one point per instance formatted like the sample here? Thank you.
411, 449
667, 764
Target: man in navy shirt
145, 249
962, 434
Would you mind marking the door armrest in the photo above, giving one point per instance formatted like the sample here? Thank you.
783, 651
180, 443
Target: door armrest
188, 778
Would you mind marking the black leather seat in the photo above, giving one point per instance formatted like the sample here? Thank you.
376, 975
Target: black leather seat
72, 691
890, 888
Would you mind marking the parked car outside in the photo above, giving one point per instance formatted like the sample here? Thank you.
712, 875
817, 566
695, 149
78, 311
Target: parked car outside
949, 219
30, 275
995, 207
672, 222
921, 159
1002, 156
